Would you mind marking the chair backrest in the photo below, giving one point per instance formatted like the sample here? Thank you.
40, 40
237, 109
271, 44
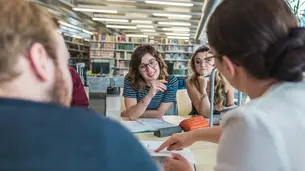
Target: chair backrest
173, 110
184, 103
122, 101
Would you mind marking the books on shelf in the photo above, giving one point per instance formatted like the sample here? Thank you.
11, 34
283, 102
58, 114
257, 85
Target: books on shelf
122, 39
120, 48
103, 37
101, 53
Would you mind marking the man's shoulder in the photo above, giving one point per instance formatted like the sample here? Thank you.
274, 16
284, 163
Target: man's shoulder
72, 71
44, 111
81, 134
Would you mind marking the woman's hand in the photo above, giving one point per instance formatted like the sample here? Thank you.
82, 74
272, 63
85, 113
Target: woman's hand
177, 163
203, 83
178, 142
155, 86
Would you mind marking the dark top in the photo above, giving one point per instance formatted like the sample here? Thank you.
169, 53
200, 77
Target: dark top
216, 112
166, 97
48, 137
79, 97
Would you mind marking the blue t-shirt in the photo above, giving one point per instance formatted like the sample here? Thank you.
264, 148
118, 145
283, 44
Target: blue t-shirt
47, 137
166, 97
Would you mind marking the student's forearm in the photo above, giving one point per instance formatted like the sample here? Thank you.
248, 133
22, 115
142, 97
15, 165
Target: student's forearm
152, 114
204, 107
137, 110
208, 134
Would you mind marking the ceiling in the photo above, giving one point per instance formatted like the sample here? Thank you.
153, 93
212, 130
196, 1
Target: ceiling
158, 18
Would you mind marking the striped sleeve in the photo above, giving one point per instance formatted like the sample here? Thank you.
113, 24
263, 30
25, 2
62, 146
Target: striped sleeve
128, 91
170, 94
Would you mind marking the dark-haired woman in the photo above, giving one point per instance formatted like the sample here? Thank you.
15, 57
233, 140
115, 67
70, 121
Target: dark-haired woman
148, 89
202, 64
260, 50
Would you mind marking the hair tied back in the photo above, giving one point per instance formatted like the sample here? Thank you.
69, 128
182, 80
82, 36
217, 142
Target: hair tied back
285, 59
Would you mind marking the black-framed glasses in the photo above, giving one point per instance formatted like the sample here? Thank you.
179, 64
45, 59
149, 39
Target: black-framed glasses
151, 63
208, 61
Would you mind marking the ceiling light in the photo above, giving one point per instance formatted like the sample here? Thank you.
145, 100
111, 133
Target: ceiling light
88, 32
145, 26
176, 29
136, 35
175, 23
170, 3
177, 34
141, 21
176, 37
68, 25
95, 10
74, 27
121, 1
76, 36
172, 15
152, 34
121, 27
148, 30
110, 19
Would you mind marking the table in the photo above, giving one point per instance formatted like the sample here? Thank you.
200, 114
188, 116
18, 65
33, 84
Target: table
205, 153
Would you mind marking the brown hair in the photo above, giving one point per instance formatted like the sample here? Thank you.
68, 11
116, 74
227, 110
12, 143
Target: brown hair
262, 36
220, 82
22, 23
134, 75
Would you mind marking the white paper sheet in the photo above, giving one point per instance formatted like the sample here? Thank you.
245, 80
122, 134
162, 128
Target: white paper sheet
146, 124
175, 120
160, 157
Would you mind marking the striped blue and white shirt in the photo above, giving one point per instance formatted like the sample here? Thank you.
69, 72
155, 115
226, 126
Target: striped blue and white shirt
161, 97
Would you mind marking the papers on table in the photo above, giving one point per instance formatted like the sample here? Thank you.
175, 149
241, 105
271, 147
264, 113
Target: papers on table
160, 157
175, 120
146, 125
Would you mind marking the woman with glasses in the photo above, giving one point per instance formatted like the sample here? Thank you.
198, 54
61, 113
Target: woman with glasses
261, 52
148, 89
198, 85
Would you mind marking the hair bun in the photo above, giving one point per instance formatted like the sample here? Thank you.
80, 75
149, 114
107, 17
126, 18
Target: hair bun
285, 59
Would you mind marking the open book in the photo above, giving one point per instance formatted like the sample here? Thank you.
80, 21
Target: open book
160, 157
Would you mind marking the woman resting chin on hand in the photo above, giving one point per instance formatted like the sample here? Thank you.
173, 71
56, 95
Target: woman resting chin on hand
199, 84
148, 89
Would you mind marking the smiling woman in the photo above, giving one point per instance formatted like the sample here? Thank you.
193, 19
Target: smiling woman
148, 89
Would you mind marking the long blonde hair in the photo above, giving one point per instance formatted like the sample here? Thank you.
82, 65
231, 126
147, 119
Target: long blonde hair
220, 81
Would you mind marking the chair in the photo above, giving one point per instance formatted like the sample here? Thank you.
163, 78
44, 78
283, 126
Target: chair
184, 103
173, 110
122, 101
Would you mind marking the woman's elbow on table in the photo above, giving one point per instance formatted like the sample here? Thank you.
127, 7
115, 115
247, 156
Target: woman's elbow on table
126, 114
